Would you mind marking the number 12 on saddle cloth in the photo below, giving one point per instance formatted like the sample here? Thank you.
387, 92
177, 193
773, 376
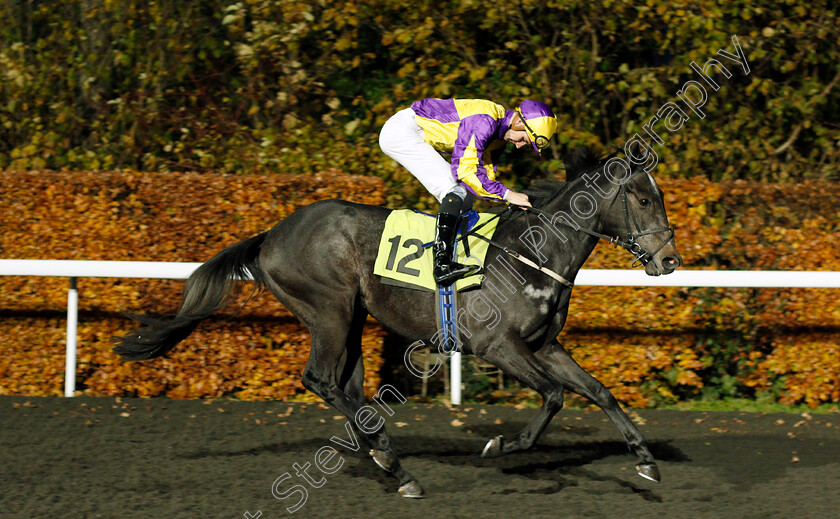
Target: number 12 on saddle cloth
404, 259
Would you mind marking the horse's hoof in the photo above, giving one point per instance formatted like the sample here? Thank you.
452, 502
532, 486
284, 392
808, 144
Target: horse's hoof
412, 489
493, 449
387, 461
649, 471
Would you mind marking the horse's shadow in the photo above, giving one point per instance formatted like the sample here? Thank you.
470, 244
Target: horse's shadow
560, 463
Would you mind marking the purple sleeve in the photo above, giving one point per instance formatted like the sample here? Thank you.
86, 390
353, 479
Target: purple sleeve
474, 135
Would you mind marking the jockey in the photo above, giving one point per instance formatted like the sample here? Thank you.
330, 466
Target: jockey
474, 132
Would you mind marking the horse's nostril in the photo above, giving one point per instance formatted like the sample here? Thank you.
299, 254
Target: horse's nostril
670, 262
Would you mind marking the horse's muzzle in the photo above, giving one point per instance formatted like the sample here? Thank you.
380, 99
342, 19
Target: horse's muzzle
665, 265
670, 264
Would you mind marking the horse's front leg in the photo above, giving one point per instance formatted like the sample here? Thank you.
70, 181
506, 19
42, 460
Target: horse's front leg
528, 436
562, 366
520, 362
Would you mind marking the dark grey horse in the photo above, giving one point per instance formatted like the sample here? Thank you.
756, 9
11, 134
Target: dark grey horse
319, 263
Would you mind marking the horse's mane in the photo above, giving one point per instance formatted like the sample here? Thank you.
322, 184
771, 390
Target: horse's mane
576, 162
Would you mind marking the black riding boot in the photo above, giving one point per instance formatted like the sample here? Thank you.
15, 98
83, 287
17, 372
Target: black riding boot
446, 271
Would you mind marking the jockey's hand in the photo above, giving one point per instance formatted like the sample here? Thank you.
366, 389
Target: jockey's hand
515, 198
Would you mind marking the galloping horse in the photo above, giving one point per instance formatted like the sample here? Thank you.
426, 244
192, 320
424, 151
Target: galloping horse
319, 263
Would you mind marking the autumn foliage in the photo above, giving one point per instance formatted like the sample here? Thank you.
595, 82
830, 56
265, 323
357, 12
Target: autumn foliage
278, 86
649, 345
655, 345
255, 353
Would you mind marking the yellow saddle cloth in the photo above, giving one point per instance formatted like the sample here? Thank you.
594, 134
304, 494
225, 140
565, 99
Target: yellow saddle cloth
405, 254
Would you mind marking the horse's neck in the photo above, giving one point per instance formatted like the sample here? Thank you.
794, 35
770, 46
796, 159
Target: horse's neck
571, 212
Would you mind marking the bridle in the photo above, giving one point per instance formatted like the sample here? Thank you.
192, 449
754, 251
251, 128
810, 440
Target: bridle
642, 257
627, 241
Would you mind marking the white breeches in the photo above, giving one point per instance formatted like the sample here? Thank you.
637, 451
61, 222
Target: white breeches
402, 140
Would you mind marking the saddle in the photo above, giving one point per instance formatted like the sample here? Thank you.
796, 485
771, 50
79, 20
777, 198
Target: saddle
405, 259
402, 260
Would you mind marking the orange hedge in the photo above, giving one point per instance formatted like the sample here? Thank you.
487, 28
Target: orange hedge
675, 343
259, 354
648, 345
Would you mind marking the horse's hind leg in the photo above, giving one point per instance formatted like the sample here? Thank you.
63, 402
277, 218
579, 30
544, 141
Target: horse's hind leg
562, 366
335, 372
352, 382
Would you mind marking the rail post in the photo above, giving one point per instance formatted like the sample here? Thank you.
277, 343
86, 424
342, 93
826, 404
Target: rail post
72, 325
455, 378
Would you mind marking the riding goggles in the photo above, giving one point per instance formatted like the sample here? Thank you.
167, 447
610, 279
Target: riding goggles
538, 141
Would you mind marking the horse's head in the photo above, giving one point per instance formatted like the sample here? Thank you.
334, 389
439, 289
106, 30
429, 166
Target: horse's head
636, 215
630, 213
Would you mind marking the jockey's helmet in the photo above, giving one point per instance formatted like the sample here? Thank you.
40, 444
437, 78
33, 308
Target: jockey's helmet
539, 122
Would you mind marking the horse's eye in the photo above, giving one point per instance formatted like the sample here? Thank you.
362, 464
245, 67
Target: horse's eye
644, 202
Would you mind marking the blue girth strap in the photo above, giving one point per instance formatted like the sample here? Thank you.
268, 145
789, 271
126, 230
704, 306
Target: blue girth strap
447, 318
446, 309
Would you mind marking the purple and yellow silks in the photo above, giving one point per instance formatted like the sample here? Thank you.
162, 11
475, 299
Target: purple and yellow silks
472, 130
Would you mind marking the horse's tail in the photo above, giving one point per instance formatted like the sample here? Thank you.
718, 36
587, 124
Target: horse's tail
207, 290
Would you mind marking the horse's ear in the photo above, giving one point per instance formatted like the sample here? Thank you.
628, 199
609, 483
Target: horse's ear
638, 153
578, 161
571, 172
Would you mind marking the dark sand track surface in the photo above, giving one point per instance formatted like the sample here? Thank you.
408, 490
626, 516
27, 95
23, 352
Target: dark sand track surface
158, 458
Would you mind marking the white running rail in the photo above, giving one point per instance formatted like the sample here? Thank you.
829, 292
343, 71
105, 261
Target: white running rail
73, 269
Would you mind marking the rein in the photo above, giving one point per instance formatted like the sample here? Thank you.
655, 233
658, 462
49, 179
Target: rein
640, 255
550, 273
